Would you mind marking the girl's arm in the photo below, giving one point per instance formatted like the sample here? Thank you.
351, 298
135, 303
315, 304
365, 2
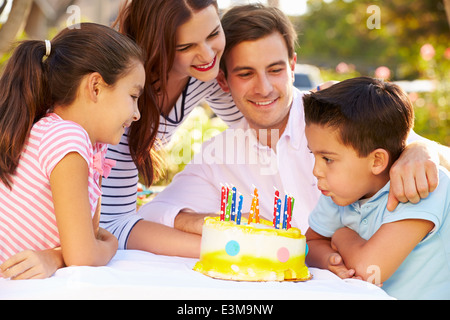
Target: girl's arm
322, 255
378, 254
31, 264
79, 242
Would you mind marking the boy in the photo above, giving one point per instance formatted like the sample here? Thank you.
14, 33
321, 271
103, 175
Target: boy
356, 129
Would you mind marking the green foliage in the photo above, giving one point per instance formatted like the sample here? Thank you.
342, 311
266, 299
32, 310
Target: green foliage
199, 127
335, 33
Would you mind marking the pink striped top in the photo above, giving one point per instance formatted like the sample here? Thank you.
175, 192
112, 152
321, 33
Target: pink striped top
27, 217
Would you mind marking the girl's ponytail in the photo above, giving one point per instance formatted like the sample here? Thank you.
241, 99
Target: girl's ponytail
41, 75
23, 101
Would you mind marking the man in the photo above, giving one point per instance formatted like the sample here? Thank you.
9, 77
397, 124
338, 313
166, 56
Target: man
268, 148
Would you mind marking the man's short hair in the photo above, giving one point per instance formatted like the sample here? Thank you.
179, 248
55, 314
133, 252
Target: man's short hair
253, 22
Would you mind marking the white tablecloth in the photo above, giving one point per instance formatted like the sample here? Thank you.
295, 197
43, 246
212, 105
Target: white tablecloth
141, 275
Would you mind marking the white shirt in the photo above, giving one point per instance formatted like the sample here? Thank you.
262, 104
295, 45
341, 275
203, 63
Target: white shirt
235, 157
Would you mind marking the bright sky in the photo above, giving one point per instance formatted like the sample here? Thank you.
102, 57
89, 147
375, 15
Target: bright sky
290, 7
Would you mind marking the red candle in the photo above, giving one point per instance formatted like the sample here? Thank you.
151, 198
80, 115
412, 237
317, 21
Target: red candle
223, 204
289, 215
277, 195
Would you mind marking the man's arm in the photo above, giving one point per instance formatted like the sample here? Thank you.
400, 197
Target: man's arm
415, 174
179, 205
190, 221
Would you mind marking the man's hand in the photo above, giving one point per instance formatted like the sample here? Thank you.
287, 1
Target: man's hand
414, 175
190, 221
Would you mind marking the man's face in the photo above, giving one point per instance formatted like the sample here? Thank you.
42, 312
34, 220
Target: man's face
260, 79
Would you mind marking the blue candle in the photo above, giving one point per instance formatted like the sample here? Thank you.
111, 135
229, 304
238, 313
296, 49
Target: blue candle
239, 212
277, 222
285, 211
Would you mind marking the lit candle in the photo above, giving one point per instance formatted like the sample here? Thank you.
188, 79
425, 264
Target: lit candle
277, 196
285, 212
289, 215
256, 206
252, 210
239, 212
233, 205
292, 207
257, 210
228, 209
277, 222
222, 203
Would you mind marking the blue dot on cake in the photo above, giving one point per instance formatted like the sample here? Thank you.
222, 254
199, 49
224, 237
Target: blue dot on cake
232, 248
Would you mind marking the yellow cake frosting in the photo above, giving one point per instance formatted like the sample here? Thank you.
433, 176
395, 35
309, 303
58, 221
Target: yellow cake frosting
255, 252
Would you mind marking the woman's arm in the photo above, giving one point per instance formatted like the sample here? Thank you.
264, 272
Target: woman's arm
378, 253
79, 242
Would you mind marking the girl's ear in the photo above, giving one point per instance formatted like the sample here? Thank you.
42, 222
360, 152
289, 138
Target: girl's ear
94, 85
380, 161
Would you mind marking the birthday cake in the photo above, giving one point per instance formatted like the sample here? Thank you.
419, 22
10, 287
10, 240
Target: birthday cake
252, 249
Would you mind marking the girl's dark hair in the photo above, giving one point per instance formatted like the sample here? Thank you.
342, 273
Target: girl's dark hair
153, 25
369, 114
33, 83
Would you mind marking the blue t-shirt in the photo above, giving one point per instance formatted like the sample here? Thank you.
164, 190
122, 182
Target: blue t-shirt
425, 273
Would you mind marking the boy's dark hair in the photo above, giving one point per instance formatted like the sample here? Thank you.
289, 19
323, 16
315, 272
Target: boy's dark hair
252, 22
369, 114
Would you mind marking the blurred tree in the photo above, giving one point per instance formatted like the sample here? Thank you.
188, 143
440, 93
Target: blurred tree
447, 8
335, 31
15, 22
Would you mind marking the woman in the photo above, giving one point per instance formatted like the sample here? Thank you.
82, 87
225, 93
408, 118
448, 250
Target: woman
184, 42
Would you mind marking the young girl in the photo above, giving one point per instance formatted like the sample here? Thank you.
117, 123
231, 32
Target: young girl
184, 43
61, 103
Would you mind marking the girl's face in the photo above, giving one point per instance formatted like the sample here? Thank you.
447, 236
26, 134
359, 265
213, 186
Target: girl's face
200, 45
118, 107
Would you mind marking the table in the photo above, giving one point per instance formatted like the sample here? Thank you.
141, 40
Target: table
138, 275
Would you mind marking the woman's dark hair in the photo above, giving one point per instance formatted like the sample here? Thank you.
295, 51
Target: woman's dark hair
153, 25
369, 114
33, 83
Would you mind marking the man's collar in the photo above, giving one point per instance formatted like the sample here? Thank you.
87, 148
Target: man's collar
294, 128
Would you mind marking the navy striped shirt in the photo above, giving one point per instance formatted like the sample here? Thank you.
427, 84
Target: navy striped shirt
120, 188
